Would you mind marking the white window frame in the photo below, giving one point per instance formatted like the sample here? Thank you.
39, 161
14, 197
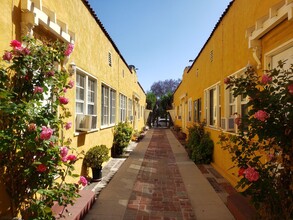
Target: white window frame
197, 110
130, 110
108, 106
233, 105
189, 109
122, 107
215, 108
86, 93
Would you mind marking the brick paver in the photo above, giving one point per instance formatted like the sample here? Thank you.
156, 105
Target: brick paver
159, 192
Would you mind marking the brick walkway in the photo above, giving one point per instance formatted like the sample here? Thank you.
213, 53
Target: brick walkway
159, 192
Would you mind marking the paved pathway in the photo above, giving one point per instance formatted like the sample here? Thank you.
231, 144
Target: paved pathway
158, 181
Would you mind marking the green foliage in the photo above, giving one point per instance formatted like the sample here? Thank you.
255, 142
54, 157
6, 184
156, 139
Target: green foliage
151, 100
31, 129
122, 136
200, 144
96, 156
263, 153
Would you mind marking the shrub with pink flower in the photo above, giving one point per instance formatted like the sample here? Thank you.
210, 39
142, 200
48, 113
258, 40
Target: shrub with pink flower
15, 44
46, 133
41, 168
68, 125
82, 181
63, 100
266, 79
251, 174
290, 89
38, 89
71, 158
264, 146
261, 115
63, 151
7, 56
69, 49
70, 84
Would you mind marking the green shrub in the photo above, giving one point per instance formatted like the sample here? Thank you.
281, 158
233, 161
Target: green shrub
122, 136
96, 156
200, 145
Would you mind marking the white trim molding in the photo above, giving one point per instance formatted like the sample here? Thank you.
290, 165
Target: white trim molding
277, 13
33, 14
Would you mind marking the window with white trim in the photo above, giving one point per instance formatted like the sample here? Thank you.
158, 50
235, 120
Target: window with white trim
197, 110
108, 107
86, 96
138, 111
235, 107
123, 102
212, 107
130, 114
189, 109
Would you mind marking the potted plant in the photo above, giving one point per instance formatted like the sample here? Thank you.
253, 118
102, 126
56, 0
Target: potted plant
94, 158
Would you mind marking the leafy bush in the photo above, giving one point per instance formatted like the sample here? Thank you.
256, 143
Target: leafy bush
263, 153
122, 136
96, 156
200, 144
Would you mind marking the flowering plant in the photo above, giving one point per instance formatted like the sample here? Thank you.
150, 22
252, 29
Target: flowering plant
263, 148
33, 149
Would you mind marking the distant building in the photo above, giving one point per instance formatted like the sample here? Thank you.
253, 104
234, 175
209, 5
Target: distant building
257, 33
106, 91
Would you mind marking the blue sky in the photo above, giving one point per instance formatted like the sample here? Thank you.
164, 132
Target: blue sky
159, 37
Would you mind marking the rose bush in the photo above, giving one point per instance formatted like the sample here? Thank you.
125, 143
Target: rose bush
263, 153
32, 143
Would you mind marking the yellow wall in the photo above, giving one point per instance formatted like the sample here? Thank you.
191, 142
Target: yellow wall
91, 55
229, 44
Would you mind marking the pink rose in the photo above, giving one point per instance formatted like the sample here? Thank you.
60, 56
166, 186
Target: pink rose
266, 79
7, 56
69, 49
68, 125
64, 90
70, 84
15, 44
71, 157
63, 100
261, 115
64, 159
41, 168
46, 133
38, 89
50, 73
63, 151
32, 127
82, 181
227, 80
26, 51
251, 174
290, 88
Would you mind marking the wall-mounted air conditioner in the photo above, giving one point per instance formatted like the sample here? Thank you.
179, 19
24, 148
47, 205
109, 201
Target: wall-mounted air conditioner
227, 124
86, 122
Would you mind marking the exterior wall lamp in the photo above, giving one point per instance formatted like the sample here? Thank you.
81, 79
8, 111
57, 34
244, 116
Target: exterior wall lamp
72, 68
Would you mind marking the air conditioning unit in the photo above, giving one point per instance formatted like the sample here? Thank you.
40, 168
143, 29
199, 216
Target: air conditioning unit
227, 124
86, 122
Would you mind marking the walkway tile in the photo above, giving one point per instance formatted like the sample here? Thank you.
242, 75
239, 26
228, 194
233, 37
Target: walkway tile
159, 191
158, 181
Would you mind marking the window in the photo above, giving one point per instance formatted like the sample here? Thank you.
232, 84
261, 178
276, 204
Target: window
189, 109
86, 96
212, 97
197, 110
108, 115
130, 115
234, 106
123, 102
110, 59
138, 111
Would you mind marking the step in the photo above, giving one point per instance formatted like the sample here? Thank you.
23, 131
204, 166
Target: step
79, 209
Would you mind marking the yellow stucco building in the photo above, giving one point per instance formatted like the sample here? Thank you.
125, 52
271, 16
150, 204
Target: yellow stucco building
106, 89
250, 32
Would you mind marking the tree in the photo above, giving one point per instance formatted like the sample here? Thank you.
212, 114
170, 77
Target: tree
161, 88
